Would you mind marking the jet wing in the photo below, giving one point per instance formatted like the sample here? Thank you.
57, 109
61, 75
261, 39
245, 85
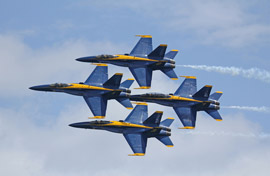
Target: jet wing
138, 115
143, 47
187, 115
137, 143
97, 105
98, 76
188, 87
143, 76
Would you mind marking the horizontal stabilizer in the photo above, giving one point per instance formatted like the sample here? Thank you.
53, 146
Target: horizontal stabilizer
143, 47
138, 115
98, 76
127, 83
165, 140
158, 53
203, 92
114, 81
171, 54
215, 114
167, 122
216, 95
154, 119
125, 102
188, 87
170, 73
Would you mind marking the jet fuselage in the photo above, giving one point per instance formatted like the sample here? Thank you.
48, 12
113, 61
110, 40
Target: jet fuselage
124, 127
130, 61
80, 89
175, 101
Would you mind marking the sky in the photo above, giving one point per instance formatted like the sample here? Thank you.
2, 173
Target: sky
222, 43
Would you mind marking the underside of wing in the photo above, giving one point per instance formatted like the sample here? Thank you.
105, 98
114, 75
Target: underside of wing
187, 115
143, 47
138, 115
188, 87
98, 76
143, 76
137, 143
97, 105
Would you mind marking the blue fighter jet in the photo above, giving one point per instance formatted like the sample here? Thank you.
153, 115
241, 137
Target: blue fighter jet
96, 90
141, 61
186, 101
136, 128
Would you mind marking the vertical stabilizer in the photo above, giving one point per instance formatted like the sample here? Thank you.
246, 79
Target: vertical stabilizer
154, 119
203, 92
158, 53
114, 81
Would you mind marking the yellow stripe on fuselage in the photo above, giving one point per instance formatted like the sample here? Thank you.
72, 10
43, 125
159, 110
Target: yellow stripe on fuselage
83, 86
132, 58
175, 98
125, 124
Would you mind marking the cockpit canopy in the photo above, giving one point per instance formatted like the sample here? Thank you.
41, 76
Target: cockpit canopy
60, 85
105, 56
100, 122
154, 94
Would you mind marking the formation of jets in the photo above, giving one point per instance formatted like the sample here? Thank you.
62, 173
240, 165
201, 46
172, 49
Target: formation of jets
138, 127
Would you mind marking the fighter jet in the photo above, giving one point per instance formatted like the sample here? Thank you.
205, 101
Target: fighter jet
136, 128
141, 61
186, 101
96, 90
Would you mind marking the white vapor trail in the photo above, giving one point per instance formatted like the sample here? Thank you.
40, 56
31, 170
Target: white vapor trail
250, 108
224, 133
255, 73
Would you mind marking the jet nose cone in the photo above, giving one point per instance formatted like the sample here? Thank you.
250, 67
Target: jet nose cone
79, 125
87, 59
73, 125
41, 88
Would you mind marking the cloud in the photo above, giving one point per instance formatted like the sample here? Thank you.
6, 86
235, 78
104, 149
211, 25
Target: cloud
224, 23
23, 66
55, 148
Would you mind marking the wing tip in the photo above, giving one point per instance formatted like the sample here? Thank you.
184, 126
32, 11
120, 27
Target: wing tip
140, 103
143, 87
144, 36
169, 145
189, 77
97, 117
187, 127
174, 78
137, 154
